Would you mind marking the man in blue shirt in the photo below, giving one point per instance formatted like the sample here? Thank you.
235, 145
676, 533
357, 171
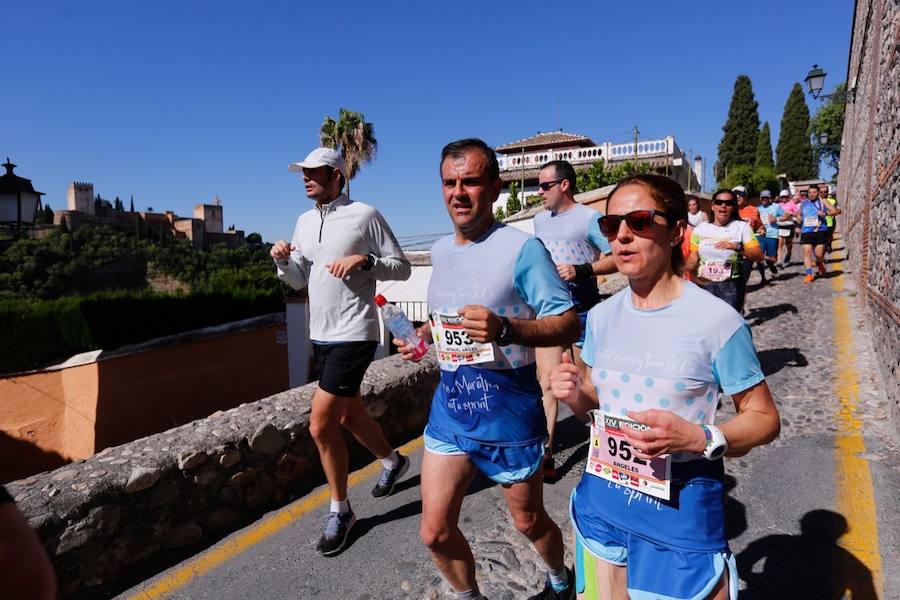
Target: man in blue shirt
769, 214
494, 295
571, 233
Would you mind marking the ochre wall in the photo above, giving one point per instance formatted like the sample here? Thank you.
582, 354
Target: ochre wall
48, 418
142, 394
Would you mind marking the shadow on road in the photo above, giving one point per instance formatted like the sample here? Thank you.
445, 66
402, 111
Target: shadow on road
807, 566
776, 359
570, 432
831, 274
758, 316
735, 512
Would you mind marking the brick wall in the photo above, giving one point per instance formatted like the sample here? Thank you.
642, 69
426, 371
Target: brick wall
869, 179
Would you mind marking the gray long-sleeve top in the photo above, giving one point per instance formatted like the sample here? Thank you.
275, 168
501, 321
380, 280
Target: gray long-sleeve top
342, 310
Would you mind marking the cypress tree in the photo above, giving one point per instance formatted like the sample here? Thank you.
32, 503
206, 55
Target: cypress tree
795, 153
132, 204
741, 130
764, 148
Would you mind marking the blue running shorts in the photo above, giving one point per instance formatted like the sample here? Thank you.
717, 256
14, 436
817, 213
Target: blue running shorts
582, 318
503, 464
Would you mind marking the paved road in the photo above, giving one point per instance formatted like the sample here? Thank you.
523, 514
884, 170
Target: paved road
813, 515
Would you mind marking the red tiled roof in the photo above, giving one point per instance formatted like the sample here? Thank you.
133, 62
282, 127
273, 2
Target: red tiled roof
552, 139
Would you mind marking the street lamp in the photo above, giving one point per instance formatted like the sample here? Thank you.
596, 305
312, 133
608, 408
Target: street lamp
18, 199
815, 81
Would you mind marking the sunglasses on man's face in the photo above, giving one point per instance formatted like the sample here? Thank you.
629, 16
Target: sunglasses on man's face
638, 221
724, 202
546, 185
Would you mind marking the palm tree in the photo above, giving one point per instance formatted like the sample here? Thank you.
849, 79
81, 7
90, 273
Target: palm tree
353, 137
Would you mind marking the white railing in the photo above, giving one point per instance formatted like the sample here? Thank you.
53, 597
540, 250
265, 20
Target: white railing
415, 310
607, 152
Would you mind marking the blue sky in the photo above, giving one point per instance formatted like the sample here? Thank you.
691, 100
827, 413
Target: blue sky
178, 102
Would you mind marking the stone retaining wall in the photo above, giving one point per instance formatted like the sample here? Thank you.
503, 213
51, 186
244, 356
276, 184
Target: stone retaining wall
125, 513
869, 179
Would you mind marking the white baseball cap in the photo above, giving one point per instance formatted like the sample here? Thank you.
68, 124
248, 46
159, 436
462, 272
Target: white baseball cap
739, 188
784, 193
320, 157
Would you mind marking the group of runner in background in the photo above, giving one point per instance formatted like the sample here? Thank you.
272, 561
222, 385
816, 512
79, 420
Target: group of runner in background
724, 249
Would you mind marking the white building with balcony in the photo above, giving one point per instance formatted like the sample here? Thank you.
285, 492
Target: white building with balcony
520, 161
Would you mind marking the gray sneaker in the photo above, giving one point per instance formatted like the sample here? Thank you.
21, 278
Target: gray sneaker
388, 478
337, 528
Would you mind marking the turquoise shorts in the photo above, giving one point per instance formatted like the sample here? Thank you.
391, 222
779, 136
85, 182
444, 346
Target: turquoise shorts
503, 464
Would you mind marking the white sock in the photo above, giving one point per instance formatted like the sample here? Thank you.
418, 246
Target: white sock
340, 506
391, 460
472, 594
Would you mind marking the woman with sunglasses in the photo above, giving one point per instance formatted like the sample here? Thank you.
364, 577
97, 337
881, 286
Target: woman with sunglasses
717, 248
648, 512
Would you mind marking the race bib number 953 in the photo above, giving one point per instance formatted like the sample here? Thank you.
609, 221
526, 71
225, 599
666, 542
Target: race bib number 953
454, 347
613, 458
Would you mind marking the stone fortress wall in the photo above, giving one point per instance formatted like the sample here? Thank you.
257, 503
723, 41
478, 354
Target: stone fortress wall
869, 179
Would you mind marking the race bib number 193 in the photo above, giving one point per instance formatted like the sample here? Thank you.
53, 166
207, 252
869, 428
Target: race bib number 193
454, 347
612, 457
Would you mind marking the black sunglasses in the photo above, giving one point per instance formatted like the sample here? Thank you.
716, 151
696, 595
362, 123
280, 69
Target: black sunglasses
725, 202
638, 221
546, 185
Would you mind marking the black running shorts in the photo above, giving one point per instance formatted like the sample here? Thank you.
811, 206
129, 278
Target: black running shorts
340, 366
814, 237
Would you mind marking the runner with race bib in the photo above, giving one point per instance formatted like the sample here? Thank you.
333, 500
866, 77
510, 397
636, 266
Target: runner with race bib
717, 248
494, 295
648, 512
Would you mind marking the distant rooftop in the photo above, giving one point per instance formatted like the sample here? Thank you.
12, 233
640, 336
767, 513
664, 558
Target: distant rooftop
551, 139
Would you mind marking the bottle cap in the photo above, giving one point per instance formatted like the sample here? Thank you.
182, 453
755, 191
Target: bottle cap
380, 300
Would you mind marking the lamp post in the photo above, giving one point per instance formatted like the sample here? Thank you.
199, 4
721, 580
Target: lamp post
18, 199
815, 81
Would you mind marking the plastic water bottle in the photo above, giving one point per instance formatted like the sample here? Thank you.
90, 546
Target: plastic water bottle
402, 328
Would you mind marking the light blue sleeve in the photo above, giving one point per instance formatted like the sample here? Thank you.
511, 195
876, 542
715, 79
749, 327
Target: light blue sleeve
736, 366
538, 282
587, 350
596, 237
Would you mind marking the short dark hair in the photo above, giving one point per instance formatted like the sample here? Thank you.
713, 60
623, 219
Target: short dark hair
670, 198
459, 147
564, 170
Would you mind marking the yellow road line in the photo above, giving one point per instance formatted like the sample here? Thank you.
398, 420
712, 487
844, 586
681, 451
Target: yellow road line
854, 494
255, 534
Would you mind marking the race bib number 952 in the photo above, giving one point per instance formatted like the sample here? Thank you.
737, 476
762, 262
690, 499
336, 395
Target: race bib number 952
454, 347
613, 458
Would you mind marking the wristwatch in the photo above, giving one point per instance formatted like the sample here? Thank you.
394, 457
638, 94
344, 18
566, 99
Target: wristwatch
505, 333
716, 444
370, 262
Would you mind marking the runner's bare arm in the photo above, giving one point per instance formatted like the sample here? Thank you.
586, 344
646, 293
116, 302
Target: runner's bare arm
604, 265
482, 325
756, 423
692, 262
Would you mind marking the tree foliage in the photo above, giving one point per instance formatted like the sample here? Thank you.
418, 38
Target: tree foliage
353, 137
512, 202
755, 179
829, 120
795, 153
96, 259
740, 134
764, 148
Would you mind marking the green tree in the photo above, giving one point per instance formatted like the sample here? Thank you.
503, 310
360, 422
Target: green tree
512, 203
499, 215
353, 137
795, 153
532, 200
592, 178
740, 134
63, 225
764, 148
132, 204
829, 120
254, 238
